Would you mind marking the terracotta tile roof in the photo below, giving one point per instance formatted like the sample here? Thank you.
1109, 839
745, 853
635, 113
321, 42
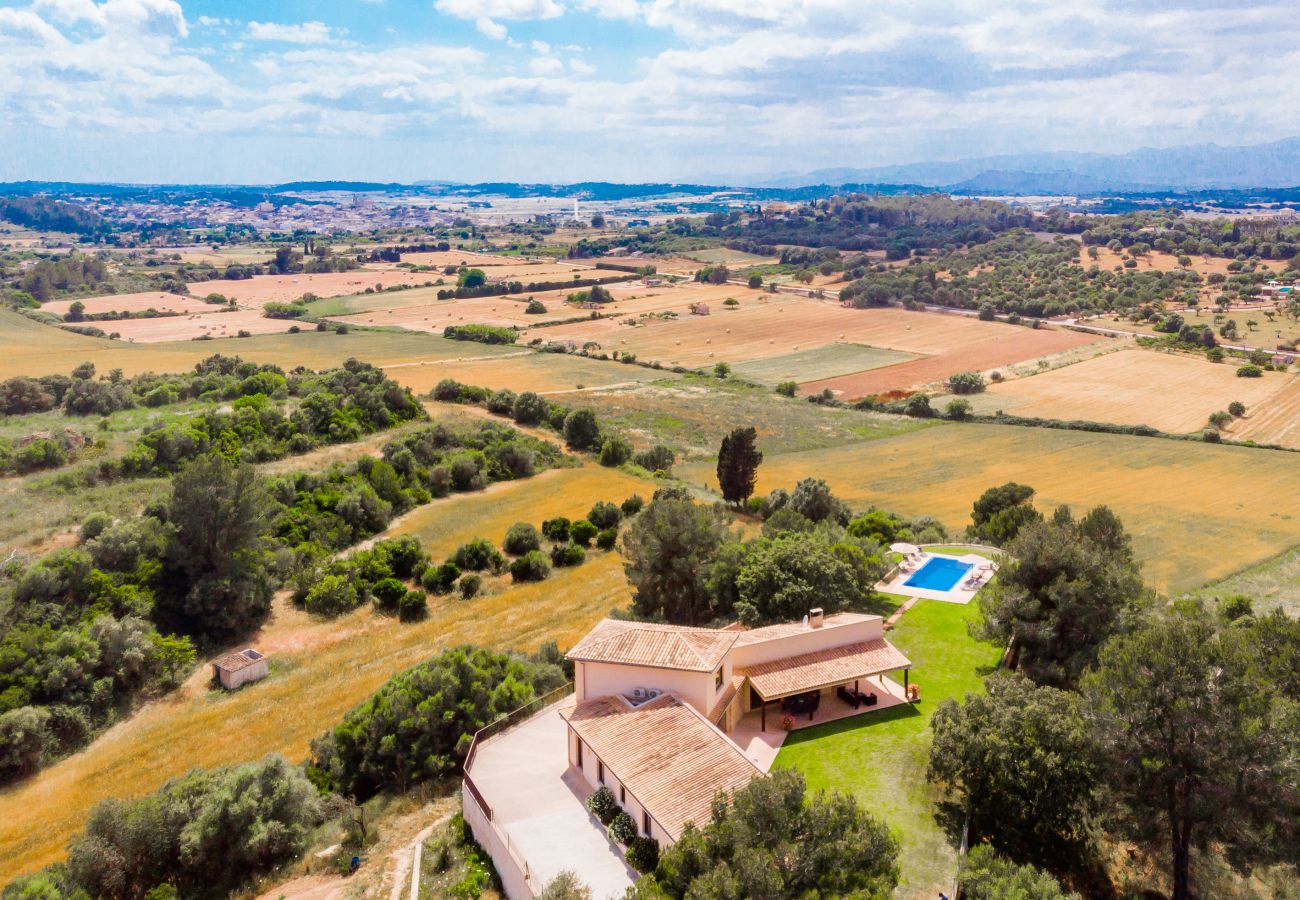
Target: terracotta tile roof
665, 753
658, 646
785, 629
725, 698
233, 662
823, 668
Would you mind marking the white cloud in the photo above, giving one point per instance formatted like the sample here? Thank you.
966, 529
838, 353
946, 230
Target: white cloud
580, 67
546, 65
487, 27
541, 47
304, 33
500, 9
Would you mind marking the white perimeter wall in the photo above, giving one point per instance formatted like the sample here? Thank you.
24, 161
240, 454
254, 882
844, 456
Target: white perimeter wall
592, 680
745, 655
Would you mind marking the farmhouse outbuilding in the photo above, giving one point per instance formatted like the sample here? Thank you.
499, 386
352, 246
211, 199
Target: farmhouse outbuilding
236, 669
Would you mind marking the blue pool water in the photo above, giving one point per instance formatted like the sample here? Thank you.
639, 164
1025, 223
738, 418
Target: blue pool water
939, 574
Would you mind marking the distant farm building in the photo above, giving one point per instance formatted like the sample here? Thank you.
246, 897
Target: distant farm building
236, 669
700, 309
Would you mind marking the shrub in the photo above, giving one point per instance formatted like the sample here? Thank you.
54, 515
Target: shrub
332, 595
388, 593
413, 606
632, 505
643, 854
1250, 371
1237, 408
958, 410
448, 390
439, 579
604, 515
529, 408
95, 525
535, 308
607, 538
987, 312
477, 555
966, 383
721, 370
483, 334
755, 281
657, 459
787, 388
469, 586
556, 529
622, 829
614, 451
1211, 436
1214, 354
501, 403
581, 430
532, 566
918, 407
521, 538
582, 531
603, 806
563, 555
1220, 419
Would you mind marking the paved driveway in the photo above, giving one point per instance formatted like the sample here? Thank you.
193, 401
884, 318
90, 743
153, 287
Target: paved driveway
539, 801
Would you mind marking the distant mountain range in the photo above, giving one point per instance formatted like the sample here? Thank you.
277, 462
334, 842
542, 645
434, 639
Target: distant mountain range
1197, 167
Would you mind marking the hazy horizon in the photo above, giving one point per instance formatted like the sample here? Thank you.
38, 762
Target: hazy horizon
201, 91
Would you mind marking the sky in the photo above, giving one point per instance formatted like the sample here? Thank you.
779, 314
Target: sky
259, 91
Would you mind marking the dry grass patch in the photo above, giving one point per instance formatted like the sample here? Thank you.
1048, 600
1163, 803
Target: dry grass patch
1156, 261
319, 671
186, 328
443, 526
1139, 387
1197, 512
1274, 422
159, 300
522, 370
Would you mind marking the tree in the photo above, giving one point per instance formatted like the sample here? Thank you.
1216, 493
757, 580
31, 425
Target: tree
581, 430
521, 538
780, 578
1064, 588
472, 278
1021, 761
774, 840
614, 451
1000, 513
756, 282
966, 383
219, 586
812, 498
205, 833
987, 876
529, 409
1202, 742
738, 462
670, 548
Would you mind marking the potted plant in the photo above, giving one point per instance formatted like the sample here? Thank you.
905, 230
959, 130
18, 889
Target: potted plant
787, 722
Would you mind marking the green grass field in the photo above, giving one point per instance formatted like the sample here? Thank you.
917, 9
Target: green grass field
1272, 584
881, 758
829, 361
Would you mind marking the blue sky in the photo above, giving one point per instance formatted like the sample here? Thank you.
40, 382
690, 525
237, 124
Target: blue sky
626, 90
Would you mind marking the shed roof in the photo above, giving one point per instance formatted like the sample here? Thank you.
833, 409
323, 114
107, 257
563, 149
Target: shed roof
654, 645
668, 756
823, 668
233, 662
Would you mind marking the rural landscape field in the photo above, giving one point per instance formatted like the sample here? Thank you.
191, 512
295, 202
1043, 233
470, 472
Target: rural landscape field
883, 485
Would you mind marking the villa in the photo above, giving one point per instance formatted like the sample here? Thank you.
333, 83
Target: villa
665, 717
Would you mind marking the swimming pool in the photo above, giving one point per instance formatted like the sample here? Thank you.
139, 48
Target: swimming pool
940, 573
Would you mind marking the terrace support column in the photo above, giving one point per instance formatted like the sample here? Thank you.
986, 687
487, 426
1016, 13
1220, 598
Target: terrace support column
905, 671
763, 717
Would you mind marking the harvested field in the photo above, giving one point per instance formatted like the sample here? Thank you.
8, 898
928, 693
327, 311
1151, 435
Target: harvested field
30, 348
731, 258
521, 370
1254, 328
1197, 512
319, 670
821, 362
280, 288
187, 328
1276, 421
1139, 387
132, 303
770, 326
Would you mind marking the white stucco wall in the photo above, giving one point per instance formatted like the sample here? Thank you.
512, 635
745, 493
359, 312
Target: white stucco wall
593, 680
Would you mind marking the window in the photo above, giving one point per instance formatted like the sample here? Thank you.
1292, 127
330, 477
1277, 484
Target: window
600, 771
717, 679
579, 753
645, 822
622, 795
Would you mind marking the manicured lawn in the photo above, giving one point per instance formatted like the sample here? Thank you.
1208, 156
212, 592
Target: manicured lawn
881, 758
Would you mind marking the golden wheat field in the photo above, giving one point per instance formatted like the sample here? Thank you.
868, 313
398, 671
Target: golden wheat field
159, 300
522, 370
1197, 512
1276, 422
1139, 387
321, 669
30, 348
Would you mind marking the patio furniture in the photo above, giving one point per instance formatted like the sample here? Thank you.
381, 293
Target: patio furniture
849, 696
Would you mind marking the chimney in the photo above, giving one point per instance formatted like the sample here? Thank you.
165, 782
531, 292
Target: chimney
815, 617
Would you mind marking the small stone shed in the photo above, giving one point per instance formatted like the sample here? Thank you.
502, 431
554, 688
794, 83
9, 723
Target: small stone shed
236, 669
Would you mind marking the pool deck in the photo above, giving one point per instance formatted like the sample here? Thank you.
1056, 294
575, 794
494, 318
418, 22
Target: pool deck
961, 592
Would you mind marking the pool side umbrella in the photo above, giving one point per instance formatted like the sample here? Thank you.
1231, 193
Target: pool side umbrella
905, 549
